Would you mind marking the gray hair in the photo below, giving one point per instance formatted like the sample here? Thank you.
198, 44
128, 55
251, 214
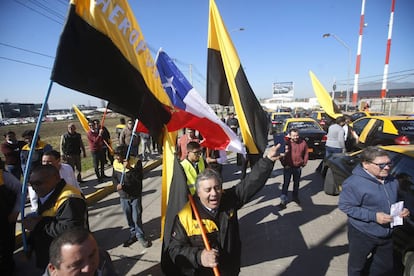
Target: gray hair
372, 152
208, 174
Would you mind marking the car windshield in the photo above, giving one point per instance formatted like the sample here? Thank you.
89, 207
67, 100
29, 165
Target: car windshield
404, 125
303, 125
281, 117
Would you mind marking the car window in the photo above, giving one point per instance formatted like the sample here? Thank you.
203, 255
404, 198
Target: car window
359, 125
404, 125
303, 125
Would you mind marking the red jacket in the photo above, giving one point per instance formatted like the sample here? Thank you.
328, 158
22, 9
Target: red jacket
95, 141
297, 154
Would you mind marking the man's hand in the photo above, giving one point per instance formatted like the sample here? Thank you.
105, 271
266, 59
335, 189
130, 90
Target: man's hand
383, 218
119, 187
405, 213
272, 154
209, 258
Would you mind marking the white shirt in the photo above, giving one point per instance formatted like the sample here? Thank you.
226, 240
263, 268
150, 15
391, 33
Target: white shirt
66, 172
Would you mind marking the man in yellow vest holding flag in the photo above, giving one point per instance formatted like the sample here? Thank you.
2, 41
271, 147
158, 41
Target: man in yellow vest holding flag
61, 207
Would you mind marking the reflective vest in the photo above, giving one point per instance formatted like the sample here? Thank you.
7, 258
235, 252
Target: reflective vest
191, 173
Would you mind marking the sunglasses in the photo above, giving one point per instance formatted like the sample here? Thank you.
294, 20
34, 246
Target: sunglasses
198, 152
382, 165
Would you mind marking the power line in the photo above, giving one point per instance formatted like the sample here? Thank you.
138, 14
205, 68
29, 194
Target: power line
26, 50
36, 11
24, 62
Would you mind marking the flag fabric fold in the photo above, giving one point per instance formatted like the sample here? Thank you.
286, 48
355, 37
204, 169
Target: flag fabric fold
82, 118
192, 111
102, 52
324, 99
227, 84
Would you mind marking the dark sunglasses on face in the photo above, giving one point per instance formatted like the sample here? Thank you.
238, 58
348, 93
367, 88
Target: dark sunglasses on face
197, 152
382, 165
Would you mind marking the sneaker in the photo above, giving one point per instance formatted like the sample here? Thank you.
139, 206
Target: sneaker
144, 242
100, 180
282, 205
130, 241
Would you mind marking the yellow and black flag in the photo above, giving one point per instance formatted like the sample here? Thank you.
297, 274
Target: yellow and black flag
227, 84
102, 52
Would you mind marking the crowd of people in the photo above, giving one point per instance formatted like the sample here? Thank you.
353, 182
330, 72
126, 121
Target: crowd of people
58, 225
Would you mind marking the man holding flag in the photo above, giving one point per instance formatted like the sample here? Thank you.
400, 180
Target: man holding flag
217, 209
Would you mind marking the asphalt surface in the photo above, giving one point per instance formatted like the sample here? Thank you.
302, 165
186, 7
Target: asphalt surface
305, 239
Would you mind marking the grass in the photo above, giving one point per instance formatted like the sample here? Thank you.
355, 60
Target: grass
50, 132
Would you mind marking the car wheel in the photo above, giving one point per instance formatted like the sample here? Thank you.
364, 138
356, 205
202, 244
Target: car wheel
330, 186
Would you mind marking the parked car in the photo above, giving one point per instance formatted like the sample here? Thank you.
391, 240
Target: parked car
322, 118
384, 130
339, 167
277, 119
361, 114
310, 131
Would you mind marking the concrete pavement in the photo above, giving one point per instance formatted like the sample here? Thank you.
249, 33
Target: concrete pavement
309, 238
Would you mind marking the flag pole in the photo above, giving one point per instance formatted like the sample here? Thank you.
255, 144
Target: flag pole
203, 230
29, 164
134, 134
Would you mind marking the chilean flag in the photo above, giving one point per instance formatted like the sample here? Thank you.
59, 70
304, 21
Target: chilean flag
192, 111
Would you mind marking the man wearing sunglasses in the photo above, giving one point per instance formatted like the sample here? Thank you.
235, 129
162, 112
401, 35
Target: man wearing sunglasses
366, 198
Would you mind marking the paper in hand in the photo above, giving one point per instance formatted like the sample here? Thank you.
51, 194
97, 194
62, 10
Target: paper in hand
395, 211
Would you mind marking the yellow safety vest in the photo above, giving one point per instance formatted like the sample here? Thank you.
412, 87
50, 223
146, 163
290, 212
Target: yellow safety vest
191, 173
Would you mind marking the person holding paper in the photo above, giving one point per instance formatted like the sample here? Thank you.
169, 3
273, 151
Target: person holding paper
366, 198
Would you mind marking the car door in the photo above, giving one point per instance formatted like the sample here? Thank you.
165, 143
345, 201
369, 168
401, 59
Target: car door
362, 127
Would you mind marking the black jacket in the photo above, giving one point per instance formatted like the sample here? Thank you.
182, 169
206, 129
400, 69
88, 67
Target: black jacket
71, 211
185, 251
132, 184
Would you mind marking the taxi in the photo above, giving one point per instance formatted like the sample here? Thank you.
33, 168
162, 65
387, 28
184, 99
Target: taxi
361, 114
310, 131
277, 119
384, 130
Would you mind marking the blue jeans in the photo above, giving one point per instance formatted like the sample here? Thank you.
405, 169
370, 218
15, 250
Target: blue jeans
132, 208
287, 175
362, 245
330, 150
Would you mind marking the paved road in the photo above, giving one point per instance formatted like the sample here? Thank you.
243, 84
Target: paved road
307, 239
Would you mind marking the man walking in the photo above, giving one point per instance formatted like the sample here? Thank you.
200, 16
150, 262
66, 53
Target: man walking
71, 146
296, 156
366, 198
95, 141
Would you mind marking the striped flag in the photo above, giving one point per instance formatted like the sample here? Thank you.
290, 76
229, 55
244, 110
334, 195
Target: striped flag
227, 84
102, 52
192, 111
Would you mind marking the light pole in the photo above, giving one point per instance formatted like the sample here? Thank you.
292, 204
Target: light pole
349, 64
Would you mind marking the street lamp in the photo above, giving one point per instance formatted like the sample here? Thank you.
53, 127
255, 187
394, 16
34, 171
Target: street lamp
349, 64
237, 30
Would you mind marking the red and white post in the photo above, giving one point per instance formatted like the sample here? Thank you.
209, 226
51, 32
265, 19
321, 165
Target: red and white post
387, 54
358, 59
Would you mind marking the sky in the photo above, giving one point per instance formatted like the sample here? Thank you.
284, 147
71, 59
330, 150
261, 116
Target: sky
280, 42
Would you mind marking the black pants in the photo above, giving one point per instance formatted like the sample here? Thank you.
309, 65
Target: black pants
362, 246
98, 158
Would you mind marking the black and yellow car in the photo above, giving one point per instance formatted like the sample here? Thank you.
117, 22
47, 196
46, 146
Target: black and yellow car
277, 119
311, 132
322, 118
360, 114
338, 167
384, 130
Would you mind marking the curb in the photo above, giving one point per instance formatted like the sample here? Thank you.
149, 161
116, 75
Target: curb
101, 193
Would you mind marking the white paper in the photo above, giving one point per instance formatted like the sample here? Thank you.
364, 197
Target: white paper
395, 211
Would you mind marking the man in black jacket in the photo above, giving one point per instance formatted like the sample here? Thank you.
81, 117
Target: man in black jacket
129, 188
218, 211
61, 207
